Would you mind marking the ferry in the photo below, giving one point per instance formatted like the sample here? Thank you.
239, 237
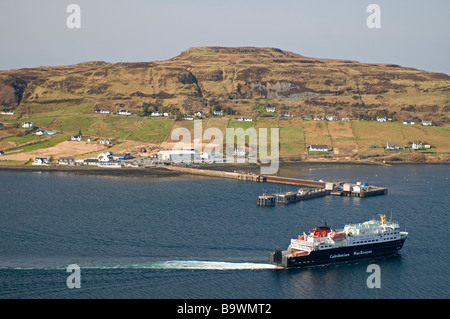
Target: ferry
368, 240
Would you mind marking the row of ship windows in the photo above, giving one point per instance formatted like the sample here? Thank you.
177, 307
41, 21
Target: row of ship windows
361, 242
304, 262
373, 240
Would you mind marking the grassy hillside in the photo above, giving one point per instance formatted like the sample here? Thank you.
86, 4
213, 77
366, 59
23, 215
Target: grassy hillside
241, 81
354, 139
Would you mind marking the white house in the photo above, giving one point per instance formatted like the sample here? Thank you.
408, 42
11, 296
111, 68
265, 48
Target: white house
166, 114
104, 141
381, 119
66, 161
318, 148
124, 112
245, 118
345, 119
408, 122
218, 113
239, 152
188, 118
156, 114
105, 111
426, 123
6, 112
331, 118
104, 157
416, 146
40, 132
271, 109
285, 114
78, 138
27, 124
392, 146
198, 113
41, 161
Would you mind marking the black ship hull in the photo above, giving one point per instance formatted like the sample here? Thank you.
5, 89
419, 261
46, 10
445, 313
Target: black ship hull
335, 255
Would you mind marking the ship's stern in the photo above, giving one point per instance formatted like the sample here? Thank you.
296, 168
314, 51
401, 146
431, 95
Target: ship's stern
276, 258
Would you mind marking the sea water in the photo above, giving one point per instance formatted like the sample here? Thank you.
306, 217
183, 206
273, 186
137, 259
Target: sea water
196, 237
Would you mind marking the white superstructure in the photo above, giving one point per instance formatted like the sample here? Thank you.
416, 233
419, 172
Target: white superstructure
369, 232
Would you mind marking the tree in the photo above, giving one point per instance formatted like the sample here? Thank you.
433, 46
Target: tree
229, 110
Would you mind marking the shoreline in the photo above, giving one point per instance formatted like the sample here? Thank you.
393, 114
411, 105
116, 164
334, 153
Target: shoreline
175, 171
130, 172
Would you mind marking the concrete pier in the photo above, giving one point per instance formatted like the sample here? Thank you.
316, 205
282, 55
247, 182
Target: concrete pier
329, 188
293, 197
266, 200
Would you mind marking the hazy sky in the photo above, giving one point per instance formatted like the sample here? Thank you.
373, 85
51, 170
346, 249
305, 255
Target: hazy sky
413, 33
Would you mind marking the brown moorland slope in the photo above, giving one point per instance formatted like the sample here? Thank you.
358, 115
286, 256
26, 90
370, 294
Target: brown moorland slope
239, 79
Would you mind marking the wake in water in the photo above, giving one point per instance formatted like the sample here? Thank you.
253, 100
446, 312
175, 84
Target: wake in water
175, 264
214, 265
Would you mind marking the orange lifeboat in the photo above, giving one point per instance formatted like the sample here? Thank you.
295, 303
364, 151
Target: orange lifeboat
299, 253
337, 235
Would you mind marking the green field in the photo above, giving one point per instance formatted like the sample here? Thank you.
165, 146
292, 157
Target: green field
47, 142
365, 138
151, 130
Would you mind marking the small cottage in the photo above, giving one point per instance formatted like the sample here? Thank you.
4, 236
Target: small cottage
41, 161
66, 161
27, 124
318, 148
124, 112
104, 141
392, 146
